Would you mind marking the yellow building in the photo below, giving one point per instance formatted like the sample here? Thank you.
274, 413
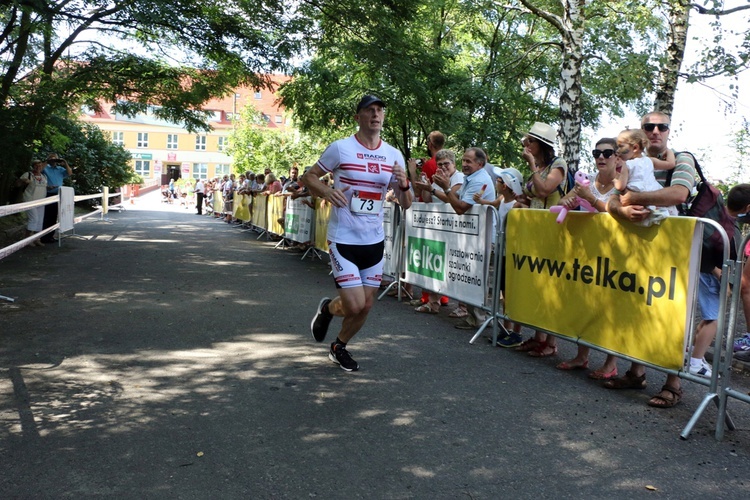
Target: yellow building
163, 150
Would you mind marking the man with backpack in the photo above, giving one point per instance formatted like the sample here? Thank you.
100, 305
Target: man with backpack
632, 206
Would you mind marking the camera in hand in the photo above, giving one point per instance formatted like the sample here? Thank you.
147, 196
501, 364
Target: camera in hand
419, 162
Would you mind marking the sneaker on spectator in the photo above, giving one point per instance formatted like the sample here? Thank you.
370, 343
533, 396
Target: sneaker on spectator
702, 370
742, 343
339, 354
513, 339
321, 320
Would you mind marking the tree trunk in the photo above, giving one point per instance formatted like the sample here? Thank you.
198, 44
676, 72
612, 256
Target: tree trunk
679, 13
570, 81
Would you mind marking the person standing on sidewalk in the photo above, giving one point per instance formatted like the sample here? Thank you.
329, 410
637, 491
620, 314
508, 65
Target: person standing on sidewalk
200, 193
364, 168
56, 170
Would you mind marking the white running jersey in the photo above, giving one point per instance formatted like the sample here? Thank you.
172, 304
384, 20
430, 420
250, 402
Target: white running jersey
367, 173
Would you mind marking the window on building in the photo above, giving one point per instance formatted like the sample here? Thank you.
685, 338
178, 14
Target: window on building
200, 171
171, 141
143, 168
258, 95
222, 169
223, 141
200, 142
142, 139
279, 119
266, 117
118, 138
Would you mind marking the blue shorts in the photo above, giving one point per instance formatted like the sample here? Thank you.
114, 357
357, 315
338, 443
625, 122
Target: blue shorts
357, 265
708, 296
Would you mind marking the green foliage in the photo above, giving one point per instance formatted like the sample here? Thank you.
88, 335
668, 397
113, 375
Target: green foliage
95, 160
741, 144
255, 147
479, 72
170, 54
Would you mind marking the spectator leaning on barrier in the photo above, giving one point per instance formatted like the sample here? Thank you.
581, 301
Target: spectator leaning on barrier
228, 193
548, 174
273, 186
476, 180
600, 189
446, 162
740, 212
509, 187
363, 167
632, 206
435, 143
293, 178
36, 189
56, 171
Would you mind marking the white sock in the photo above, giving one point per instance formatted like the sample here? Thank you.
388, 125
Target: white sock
696, 361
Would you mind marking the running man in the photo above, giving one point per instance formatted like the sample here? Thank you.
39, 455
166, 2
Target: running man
364, 168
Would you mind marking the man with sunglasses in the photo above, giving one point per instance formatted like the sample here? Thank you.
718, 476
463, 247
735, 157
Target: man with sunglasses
632, 206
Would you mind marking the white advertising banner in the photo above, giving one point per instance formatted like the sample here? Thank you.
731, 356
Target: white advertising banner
298, 221
393, 243
449, 253
67, 195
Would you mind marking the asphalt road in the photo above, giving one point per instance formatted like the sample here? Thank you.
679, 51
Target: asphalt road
168, 355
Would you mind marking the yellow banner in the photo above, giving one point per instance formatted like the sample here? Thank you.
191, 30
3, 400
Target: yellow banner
218, 202
259, 211
242, 207
276, 206
322, 214
614, 284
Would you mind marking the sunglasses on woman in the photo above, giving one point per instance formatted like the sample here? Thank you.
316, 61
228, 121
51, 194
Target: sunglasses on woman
649, 127
607, 153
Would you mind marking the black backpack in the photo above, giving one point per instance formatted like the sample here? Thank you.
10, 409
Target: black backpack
708, 203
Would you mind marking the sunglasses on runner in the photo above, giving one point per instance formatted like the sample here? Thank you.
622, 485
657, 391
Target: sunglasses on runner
649, 127
607, 153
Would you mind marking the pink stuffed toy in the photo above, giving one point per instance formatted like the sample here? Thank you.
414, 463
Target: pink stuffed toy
583, 180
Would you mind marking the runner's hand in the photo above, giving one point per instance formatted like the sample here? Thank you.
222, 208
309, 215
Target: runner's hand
336, 197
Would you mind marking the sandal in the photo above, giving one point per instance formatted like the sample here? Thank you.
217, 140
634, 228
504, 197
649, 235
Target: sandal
458, 312
416, 302
425, 308
569, 366
542, 350
667, 398
528, 345
627, 381
600, 375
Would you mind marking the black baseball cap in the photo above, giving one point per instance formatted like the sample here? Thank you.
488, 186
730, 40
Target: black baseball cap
368, 100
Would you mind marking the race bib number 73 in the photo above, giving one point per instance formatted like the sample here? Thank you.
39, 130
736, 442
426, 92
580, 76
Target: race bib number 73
366, 203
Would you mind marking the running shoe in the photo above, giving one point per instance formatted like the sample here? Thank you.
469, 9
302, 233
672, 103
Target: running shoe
513, 339
702, 370
339, 354
321, 320
742, 343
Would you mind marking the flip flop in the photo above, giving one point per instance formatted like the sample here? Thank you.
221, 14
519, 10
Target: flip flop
567, 366
458, 312
540, 351
425, 308
600, 375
